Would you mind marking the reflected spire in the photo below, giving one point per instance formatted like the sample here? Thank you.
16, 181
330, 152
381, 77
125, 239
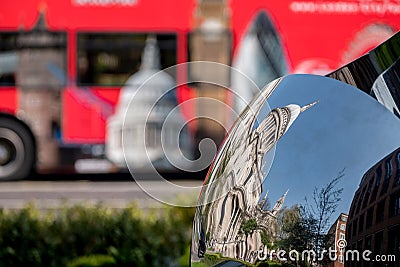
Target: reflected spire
304, 108
266, 195
277, 123
278, 205
294, 112
264, 201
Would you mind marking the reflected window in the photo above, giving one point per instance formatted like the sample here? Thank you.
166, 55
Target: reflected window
378, 176
394, 241
378, 248
361, 224
353, 207
109, 59
223, 211
388, 169
395, 205
368, 242
385, 185
349, 232
397, 179
355, 223
360, 244
8, 58
380, 215
342, 236
368, 193
341, 259
370, 215
374, 190
398, 160
359, 203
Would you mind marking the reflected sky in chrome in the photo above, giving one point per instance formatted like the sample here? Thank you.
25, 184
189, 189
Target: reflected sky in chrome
347, 130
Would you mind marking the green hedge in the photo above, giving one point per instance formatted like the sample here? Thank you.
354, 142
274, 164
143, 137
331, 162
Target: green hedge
93, 261
31, 238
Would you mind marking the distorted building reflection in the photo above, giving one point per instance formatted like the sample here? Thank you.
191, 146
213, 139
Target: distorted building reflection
235, 218
240, 215
337, 236
374, 219
386, 88
376, 73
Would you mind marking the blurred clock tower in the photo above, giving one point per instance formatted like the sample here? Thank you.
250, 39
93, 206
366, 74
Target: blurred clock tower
211, 41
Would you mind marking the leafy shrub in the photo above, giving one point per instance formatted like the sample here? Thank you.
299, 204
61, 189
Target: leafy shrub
93, 261
185, 258
211, 257
31, 238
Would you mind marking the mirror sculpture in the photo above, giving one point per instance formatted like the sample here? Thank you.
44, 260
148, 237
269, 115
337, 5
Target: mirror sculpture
291, 172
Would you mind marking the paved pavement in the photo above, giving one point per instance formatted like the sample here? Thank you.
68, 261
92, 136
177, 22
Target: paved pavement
52, 194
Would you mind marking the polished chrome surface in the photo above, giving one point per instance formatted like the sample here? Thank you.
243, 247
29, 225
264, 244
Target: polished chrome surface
370, 72
386, 88
298, 134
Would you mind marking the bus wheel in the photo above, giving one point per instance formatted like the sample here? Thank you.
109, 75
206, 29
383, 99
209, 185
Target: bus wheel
17, 153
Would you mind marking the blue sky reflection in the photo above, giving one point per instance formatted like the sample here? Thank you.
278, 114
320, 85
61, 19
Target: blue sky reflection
346, 129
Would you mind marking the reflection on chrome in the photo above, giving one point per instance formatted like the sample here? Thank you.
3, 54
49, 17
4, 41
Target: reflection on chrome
235, 214
377, 199
371, 72
226, 223
277, 153
386, 88
241, 205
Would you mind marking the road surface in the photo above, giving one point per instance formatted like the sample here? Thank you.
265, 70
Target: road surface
113, 194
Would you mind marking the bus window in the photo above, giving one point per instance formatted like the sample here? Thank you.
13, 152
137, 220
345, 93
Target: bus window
8, 58
109, 59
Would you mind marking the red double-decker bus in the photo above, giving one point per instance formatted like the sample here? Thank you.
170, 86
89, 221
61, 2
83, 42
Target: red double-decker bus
63, 62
